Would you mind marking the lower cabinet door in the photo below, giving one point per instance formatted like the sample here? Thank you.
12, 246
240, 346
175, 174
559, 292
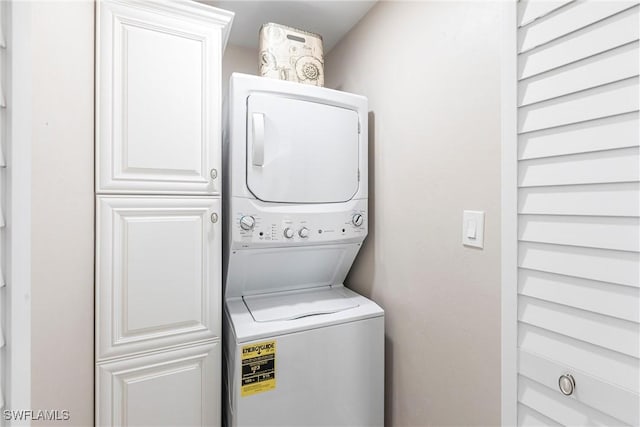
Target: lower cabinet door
179, 387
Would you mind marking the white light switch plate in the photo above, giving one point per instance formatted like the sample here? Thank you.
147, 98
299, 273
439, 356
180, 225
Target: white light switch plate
473, 228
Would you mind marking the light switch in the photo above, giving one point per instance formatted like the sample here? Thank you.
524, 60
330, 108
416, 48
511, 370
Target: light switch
473, 228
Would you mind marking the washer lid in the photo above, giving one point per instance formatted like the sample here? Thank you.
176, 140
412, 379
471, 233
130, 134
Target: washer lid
244, 328
301, 151
294, 305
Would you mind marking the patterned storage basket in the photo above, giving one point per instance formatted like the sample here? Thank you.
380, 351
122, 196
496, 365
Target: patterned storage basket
290, 54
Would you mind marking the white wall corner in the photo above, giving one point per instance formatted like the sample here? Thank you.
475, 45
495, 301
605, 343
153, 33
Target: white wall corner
18, 156
509, 256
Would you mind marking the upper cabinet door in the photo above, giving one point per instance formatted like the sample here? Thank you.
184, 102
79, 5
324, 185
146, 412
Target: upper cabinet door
301, 151
158, 98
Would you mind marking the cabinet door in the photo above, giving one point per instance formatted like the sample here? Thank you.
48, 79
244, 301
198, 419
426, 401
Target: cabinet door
158, 101
158, 272
173, 388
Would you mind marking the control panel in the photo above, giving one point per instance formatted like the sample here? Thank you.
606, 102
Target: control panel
287, 225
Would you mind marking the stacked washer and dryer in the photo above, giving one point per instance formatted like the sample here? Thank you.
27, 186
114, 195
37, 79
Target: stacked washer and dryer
300, 348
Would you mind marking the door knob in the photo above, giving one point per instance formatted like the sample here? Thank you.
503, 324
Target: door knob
214, 173
567, 384
214, 217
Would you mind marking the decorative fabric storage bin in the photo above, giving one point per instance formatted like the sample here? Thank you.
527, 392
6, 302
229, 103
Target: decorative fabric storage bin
290, 54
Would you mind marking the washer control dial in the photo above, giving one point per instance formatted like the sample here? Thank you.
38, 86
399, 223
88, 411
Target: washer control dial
247, 222
357, 220
288, 233
303, 232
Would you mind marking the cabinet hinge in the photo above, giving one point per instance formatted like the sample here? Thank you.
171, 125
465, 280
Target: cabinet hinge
359, 130
358, 175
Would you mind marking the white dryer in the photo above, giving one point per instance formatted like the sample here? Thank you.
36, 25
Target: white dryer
300, 348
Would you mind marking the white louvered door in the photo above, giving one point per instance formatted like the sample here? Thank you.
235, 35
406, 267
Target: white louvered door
578, 203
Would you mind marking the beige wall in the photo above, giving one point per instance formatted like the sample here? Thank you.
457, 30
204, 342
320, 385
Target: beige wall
62, 209
431, 72
238, 59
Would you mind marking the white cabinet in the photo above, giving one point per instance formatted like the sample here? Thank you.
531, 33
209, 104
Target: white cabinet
158, 269
174, 388
158, 212
158, 97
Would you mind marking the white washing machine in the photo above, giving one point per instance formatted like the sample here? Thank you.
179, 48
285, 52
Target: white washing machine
300, 348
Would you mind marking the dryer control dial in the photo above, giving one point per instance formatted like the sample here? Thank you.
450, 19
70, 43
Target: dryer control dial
357, 220
303, 232
288, 233
247, 222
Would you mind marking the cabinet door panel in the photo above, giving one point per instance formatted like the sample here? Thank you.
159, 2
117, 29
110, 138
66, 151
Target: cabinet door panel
158, 102
158, 272
173, 388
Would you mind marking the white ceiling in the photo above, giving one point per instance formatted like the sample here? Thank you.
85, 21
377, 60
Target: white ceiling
331, 19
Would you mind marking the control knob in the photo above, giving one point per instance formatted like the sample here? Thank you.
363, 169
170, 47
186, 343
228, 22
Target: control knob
247, 222
303, 232
288, 233
357, 220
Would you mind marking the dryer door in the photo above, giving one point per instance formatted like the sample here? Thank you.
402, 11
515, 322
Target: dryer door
301, 151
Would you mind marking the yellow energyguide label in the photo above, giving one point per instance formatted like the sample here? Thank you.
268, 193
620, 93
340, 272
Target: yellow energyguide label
258, 368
